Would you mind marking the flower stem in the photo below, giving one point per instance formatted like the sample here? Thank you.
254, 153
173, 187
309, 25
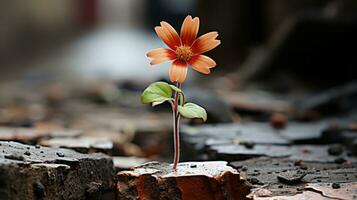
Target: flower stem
176, 121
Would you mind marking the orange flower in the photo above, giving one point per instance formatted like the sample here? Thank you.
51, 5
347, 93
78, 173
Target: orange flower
185, 49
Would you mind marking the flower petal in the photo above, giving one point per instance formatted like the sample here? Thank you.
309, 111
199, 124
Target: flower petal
189, 30
202, 63
205, 43
168, 35
161, 55
178, 71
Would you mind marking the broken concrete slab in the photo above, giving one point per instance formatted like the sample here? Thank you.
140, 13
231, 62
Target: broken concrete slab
302, 133
317, 153
36, 172
256, 132
262, 133
198, 138
317, 191
192, 180
264, 172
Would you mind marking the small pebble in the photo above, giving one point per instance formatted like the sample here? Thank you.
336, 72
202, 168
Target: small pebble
303, 167
193, 166
278, 120
37, 146
27, 153
291, 177
248, 145
255, 181
298, 162
60, 154
335, 150
340, 160
335, 185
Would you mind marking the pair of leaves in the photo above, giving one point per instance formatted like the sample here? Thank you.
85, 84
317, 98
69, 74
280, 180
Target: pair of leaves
159, 92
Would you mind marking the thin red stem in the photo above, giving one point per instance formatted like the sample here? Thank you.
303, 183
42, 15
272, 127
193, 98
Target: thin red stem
176, 120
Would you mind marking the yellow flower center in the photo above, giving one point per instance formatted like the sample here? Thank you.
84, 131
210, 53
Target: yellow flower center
184, 53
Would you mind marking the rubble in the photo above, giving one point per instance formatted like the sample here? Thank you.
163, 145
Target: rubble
273, 151
284, 176
52, 173
192, 180
291, 177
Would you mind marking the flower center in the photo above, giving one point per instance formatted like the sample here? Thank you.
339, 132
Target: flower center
183, 53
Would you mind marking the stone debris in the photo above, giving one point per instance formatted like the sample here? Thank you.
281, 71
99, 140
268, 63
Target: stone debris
52, 173
283, 176
291, 177
207, 180
279, 149
296, 152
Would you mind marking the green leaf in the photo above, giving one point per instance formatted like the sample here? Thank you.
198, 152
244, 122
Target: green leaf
156, 92
191, 110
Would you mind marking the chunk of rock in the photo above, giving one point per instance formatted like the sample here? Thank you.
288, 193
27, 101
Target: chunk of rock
43, 174
291, 177
335, 150
207, 180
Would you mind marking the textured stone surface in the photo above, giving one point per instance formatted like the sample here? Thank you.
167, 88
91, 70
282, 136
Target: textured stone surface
192, 180
267, 172
36, 172
313, 153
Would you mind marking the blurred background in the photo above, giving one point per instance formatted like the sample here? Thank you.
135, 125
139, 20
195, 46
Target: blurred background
76, 39
81, 65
